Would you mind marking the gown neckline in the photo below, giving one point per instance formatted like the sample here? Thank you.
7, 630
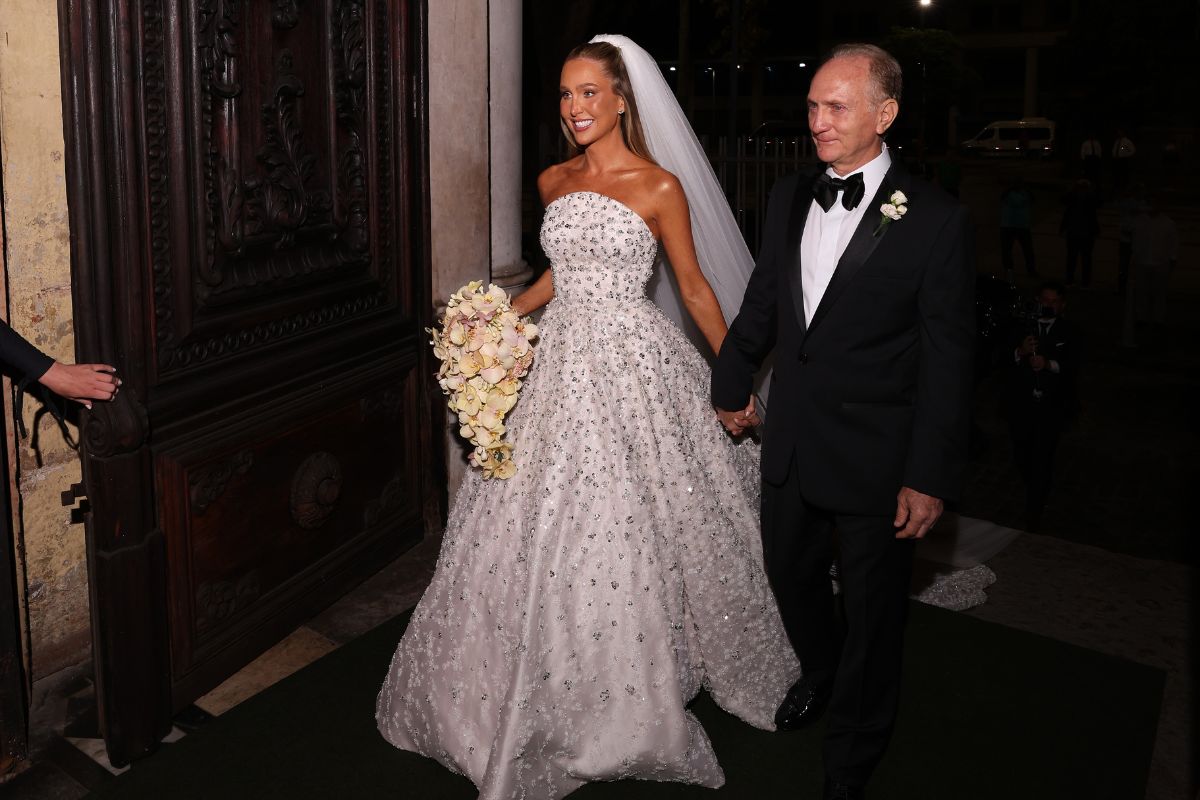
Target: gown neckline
611, 199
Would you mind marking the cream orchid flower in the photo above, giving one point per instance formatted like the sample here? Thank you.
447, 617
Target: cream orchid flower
494, 374
484, 349
470, 365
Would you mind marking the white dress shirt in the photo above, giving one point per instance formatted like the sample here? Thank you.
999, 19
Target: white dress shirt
827, 233
1044, 326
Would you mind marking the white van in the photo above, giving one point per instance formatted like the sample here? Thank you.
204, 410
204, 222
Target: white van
1033, 136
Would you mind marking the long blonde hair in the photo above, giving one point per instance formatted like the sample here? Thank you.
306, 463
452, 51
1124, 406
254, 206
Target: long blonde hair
608, 56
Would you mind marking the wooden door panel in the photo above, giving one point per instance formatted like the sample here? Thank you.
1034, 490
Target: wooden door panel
248, 192
272, 216
259, 515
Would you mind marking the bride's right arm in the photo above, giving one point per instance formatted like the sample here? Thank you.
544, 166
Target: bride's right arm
542, 290
537, 295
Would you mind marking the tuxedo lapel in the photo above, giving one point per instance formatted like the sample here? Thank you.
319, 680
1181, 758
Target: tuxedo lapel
866, 238
799, 216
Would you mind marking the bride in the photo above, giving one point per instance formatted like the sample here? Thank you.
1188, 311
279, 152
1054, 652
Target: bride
579, 606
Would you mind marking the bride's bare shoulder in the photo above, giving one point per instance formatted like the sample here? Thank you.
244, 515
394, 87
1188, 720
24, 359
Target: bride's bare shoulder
661, 185
552, 178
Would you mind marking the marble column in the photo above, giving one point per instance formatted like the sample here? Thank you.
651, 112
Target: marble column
459, 191
505, 113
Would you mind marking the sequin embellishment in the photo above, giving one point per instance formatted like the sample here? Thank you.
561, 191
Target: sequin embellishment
578, 607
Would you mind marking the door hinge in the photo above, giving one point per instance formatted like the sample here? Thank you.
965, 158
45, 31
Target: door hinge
68, 500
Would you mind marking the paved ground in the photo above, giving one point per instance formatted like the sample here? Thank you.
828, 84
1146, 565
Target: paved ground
1125, 472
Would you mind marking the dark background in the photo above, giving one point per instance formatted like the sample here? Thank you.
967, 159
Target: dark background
1101, 64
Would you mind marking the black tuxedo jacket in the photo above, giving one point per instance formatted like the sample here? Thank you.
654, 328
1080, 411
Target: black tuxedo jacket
21, 356
874, 394
1045, 391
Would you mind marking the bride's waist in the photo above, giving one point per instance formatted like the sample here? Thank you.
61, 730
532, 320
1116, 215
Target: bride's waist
573, 311
602, 299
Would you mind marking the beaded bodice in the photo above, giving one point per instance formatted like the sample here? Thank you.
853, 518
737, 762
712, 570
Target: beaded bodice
600, 249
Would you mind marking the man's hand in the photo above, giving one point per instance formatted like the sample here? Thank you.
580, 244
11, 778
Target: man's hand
915, 513
1037, 363
736, 422
82, 382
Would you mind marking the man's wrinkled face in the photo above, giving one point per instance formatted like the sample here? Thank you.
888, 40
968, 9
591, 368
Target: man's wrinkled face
845, 119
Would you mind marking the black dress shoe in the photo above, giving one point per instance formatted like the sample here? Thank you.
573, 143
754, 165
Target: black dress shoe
842, 791
804, 704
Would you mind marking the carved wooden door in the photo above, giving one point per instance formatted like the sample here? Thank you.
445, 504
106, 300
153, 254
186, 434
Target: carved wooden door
247, 195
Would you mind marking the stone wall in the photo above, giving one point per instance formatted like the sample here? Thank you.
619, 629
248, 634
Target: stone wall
38, 276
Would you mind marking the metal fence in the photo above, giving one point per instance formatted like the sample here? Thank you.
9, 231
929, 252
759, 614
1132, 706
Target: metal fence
748, 173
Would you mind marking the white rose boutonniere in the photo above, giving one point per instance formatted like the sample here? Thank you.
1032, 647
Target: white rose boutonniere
895, 208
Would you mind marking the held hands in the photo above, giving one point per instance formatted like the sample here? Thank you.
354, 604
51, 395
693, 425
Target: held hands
915, 513
82, 382
736, 422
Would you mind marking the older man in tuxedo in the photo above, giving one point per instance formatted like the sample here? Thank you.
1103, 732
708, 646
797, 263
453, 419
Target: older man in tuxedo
863, 290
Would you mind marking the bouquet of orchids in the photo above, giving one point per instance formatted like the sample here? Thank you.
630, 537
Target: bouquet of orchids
485, 350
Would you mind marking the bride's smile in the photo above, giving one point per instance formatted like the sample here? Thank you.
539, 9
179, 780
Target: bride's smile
589, 105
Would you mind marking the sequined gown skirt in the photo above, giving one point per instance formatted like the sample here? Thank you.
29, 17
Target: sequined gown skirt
579, 606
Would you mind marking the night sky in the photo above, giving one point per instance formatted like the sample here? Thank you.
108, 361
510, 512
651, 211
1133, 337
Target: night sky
1112, 63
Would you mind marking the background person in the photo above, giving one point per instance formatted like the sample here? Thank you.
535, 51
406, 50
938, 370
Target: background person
1041, 393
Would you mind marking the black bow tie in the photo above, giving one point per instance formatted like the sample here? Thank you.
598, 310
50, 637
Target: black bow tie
825, 190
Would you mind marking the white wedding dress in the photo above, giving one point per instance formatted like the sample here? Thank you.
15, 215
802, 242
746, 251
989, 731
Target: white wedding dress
578, 607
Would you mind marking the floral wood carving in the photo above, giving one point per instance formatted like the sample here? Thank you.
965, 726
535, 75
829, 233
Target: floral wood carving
350, 68
388, 501
158, 172
316, 486
265, 217
286, 14
218, 52
219, 22
383, 153
208, 484
388, 405
219, 600
280, 202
